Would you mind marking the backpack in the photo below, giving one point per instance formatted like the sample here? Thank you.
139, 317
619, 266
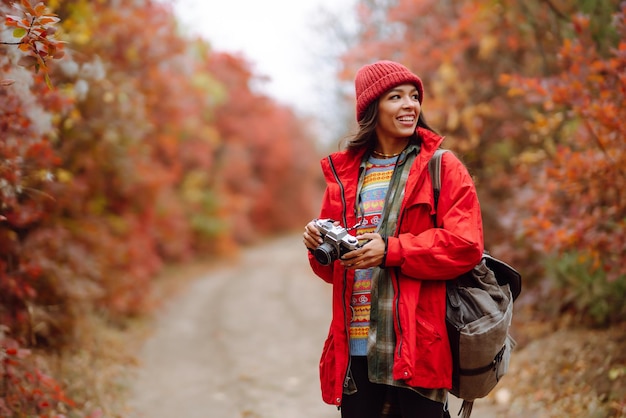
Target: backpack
478, 317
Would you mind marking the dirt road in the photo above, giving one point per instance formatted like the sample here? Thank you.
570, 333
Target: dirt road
243, 341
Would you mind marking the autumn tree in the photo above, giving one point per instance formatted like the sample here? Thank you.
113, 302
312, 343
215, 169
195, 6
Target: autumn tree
125, 155
467, 53
574, 179
27, 161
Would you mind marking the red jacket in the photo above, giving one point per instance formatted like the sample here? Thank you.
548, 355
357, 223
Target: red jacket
420, 258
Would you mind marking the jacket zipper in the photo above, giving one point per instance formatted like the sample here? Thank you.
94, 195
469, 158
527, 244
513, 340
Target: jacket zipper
397, 280
345, 273
397, 303
397, 298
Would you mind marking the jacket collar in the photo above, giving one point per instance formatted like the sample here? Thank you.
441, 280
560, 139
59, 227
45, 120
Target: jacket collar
348, 160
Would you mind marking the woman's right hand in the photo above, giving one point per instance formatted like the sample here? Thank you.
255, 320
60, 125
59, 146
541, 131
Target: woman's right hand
312, 236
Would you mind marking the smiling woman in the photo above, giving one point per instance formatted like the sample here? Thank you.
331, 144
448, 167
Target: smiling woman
387, 348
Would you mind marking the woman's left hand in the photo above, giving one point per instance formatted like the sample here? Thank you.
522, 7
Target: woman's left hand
371, 254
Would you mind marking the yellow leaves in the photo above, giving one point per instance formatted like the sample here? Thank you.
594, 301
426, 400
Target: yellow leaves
616, 373
108, 97
54, 4
71, 120
448, 73
132, 53
448, 80
194, 186
208, 84
211, 135
19, 33
545, 124
531, 157
64, 176
516, 92
488, 46
79, 25
453, 120
82, 37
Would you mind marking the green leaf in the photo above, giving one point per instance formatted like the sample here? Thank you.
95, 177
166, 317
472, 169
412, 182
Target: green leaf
19, 33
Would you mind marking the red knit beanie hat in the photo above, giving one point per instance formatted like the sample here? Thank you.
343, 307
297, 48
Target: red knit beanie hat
372, 80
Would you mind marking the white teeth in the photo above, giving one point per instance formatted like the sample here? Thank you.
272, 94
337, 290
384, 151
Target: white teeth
406, 119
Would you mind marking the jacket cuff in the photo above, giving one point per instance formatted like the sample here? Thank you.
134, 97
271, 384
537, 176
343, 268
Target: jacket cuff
392, 258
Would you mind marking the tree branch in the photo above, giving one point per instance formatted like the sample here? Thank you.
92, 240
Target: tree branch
30, 28
556, 10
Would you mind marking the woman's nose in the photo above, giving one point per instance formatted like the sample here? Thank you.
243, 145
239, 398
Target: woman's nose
407, 102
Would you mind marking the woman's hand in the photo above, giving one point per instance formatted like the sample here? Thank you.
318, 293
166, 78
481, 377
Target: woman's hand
369, 255
312, 236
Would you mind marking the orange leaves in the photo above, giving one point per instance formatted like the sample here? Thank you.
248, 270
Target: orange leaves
534, 96
137, 173
35, 30
153, 150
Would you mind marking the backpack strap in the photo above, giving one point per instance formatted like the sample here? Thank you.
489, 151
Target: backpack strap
434, 168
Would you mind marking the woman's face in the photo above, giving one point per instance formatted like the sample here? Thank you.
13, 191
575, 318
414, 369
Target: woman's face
398, 111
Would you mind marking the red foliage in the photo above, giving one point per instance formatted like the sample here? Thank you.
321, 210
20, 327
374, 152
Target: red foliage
463, 51
139, 148
24, 389
34, 28
578, 180
264, 156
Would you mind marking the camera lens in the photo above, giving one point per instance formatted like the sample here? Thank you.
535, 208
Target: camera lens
325, 254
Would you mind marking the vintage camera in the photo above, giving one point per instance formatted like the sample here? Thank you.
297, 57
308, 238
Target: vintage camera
337, 242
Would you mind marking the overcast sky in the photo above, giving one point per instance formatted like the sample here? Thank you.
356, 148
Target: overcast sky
277, 36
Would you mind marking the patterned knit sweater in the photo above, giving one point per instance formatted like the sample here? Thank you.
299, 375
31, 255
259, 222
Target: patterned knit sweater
372, 199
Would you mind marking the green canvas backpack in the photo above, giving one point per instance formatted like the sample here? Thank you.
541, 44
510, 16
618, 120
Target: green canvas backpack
478, 318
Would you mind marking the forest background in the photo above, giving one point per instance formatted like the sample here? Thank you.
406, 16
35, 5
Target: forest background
127, 147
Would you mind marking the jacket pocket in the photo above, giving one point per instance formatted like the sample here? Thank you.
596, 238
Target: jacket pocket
426, 333
417, 217
428, 348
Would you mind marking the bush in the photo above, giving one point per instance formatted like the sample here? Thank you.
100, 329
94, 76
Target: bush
595, 299
25, 390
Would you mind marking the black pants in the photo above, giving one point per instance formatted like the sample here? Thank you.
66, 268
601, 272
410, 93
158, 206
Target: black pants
374, 400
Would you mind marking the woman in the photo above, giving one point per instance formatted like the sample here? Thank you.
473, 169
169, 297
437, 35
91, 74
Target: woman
387, 345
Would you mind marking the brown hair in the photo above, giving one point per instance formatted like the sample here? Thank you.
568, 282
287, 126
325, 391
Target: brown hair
366, 136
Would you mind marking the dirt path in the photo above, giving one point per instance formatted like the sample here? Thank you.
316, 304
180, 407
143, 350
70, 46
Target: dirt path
243, 342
